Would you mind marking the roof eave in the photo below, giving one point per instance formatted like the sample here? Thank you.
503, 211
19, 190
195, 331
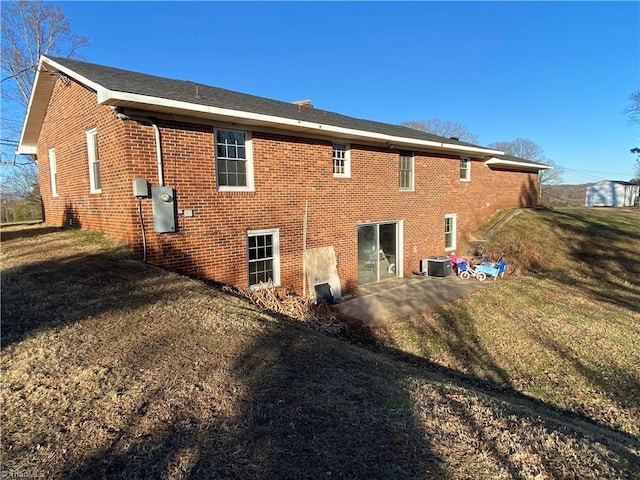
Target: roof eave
43, 84
512, 164
36, 109
131, 100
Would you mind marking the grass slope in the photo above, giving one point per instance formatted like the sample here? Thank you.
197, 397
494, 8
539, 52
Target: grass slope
566, 334
115, 369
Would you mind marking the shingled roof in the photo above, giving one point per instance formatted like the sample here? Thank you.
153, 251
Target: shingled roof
115, 79
127, 89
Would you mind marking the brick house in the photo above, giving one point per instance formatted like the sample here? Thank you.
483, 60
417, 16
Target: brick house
243, 185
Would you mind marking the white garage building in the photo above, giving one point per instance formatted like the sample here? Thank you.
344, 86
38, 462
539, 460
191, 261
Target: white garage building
611, 193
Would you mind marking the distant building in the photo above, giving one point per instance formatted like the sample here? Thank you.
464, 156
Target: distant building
611, 193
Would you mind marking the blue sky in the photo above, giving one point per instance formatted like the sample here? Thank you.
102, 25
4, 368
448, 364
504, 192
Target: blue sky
558, 73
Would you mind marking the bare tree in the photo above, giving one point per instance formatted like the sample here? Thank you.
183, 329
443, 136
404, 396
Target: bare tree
29, 29
633, 116
19, 182
20, 194
442, 128
551, 177
636, 151
522, 148
530, 150
633, 109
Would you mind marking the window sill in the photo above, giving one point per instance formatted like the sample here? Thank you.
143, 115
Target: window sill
264, 286
465, 180
236, 189
95, 192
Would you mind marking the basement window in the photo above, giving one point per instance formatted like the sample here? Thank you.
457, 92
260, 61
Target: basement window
263, 254
95, 185
341, 160
234, 162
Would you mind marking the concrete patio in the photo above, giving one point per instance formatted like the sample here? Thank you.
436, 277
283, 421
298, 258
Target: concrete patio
400, 297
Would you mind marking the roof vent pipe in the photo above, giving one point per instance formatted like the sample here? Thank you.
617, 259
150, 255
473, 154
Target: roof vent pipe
156, 130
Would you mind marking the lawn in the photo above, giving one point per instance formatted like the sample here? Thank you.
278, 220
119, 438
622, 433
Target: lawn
112, 368
566, 333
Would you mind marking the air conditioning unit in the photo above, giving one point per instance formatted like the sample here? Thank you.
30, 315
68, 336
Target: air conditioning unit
436, 266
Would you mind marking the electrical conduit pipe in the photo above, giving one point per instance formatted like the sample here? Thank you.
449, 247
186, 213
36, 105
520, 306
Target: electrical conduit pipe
156, 130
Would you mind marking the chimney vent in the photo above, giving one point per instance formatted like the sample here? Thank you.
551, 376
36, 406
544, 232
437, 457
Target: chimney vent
454, 138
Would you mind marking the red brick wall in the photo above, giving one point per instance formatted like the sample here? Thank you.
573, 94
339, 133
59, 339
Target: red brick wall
72, 111
288, 171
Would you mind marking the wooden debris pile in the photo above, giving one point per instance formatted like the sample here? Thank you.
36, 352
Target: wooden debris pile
318, 316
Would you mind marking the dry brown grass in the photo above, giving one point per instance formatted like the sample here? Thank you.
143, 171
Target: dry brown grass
115, 369
566, 333
522, 254
318, 316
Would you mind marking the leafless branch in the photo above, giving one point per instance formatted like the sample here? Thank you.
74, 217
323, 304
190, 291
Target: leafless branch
442, 128
633, 109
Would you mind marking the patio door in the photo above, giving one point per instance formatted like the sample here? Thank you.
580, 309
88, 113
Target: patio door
377, 252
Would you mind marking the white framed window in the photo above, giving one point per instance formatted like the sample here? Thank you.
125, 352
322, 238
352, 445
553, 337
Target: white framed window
465, 169
53, 171
234, 160
263, 257
450, 231
95, 185
406, 170
341, 160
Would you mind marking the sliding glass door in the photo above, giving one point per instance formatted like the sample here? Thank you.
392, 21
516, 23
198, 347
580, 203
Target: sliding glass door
377, 252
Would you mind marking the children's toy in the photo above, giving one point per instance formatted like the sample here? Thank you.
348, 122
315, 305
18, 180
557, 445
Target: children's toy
466, 271
491, 270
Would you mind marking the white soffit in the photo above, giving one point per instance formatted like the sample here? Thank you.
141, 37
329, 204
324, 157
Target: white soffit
503, 162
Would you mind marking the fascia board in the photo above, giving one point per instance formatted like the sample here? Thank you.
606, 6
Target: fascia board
42, 87
512, 163
27, 150
73, 74
114, 98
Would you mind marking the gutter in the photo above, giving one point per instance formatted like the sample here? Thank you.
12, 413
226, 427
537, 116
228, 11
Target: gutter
119, 100
146, 102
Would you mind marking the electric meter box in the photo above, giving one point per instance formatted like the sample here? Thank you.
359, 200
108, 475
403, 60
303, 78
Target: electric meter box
163, 200
140, 188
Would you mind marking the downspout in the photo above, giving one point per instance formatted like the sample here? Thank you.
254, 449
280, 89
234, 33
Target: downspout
156, 130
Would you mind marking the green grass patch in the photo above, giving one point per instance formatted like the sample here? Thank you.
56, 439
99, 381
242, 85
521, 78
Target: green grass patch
95, 237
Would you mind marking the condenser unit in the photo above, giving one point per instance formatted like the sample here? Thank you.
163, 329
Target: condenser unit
436, 266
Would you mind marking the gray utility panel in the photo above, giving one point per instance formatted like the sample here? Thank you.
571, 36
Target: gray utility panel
164, 209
